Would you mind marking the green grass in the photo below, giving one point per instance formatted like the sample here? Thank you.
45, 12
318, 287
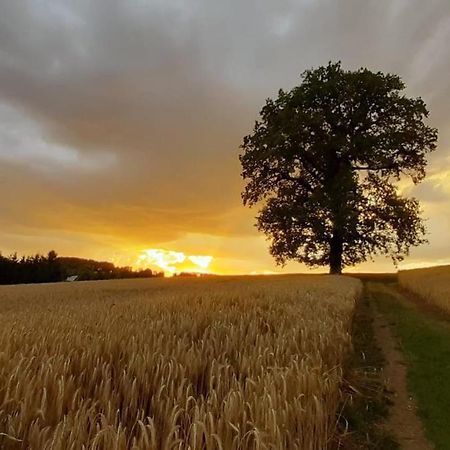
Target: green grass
425, 341
367, 402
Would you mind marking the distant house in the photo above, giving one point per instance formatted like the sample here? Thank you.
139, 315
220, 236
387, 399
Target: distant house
72, 278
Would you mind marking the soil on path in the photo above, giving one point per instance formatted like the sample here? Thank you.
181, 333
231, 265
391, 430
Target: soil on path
403, 421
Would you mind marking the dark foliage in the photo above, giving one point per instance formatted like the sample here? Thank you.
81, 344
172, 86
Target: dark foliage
193, 275
325, 158
51, 268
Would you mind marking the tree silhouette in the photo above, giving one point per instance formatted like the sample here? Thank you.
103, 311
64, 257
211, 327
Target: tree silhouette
41, 269
324, 160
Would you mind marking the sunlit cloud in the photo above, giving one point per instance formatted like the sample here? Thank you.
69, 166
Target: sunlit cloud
172, 262
201, 261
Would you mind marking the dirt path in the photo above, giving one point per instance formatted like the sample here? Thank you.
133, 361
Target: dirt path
403, 421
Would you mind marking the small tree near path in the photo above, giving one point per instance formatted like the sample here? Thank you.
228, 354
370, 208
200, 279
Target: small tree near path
323, 161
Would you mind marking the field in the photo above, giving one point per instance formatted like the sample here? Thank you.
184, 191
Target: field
221, 363
431, 284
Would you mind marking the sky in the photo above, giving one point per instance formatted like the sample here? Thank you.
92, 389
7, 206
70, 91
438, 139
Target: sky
120, 121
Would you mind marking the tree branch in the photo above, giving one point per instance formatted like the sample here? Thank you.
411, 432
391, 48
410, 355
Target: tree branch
300, 181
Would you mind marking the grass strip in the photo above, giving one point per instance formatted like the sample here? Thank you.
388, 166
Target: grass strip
367, 401
425, 342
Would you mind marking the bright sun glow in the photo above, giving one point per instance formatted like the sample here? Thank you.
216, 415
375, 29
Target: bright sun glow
201, 261
172, 262
262, 272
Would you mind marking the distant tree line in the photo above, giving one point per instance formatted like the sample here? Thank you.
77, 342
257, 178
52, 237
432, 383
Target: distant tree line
52, 268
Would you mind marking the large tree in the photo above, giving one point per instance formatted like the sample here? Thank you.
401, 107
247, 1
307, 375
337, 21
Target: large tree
324, 161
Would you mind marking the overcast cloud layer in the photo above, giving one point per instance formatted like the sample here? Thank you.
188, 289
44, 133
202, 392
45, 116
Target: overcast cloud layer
120, 121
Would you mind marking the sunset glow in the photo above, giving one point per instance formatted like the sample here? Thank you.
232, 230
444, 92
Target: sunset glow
172, 262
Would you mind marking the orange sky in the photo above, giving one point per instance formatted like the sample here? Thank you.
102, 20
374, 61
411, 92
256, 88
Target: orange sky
120, 122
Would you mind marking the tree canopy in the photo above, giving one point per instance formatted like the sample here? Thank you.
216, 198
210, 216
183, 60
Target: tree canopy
324, 161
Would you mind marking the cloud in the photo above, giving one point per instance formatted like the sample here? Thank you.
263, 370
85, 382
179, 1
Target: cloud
22, 142
433, 192
126, 117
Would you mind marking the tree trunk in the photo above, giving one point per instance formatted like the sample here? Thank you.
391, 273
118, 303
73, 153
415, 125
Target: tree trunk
336, 249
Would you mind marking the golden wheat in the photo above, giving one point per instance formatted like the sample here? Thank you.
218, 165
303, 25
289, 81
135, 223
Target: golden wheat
225, 363
432, 284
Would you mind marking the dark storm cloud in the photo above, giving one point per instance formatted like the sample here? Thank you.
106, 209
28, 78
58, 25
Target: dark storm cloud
140, 106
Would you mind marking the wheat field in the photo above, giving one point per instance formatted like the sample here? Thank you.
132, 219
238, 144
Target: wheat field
221, 363
431, 284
